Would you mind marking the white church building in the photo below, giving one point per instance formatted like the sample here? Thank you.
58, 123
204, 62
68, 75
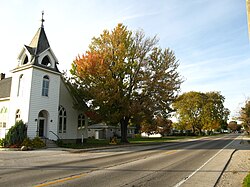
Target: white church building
37, 94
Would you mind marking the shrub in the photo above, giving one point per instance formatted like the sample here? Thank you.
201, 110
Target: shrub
27, 142
137, 135
38, 143
2, 142
35, 143
59, 142
16, 134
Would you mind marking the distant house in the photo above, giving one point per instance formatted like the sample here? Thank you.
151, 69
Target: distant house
103, 131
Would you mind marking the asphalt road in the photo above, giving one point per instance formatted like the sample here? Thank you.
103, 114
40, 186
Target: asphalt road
190, 163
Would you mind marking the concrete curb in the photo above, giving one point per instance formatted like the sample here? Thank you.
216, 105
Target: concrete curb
225, 167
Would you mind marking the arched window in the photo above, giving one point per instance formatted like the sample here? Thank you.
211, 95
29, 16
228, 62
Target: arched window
81, 121
62, 118
46, 61
41, 114
3, 117
20, 85
26, 60
18, 115
45, 89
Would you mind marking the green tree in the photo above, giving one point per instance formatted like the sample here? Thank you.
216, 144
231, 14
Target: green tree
164, 126
125, 77
189, 108
215, 114
232, 125
245, 116
16, 134
201, 111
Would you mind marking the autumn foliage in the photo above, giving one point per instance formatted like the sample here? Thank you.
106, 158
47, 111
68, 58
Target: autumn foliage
125, 78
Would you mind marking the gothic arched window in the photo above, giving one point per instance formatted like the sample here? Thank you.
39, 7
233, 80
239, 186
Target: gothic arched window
3, 117
20, 85
25, 60
81, 121
46, 61
45, 89
62, 118
18, 115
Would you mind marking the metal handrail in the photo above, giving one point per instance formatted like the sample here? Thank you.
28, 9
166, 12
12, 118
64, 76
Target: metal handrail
55, 135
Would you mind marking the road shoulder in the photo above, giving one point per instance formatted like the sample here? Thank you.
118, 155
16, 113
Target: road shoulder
238, 167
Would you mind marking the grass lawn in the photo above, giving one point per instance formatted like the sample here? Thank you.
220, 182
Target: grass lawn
160, 140
246, 182
92, 143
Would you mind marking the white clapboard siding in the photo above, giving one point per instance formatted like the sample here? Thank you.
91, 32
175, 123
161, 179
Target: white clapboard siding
38, 102
66, 101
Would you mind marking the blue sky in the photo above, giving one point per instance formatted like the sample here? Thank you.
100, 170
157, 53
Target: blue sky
209, 37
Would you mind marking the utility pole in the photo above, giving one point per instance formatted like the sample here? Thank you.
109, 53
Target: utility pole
248, 16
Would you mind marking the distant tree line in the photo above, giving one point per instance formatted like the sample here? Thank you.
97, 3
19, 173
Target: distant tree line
199, 112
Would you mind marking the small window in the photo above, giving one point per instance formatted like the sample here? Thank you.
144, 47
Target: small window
62, 119
46, 61
81, 121
45, 89
18, 115
20, 85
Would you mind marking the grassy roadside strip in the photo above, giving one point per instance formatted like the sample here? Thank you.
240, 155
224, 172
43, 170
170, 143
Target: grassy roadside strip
142, 140
93, 143
246, 182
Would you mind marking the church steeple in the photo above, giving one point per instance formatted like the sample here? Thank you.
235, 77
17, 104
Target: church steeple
40, 42
38, 52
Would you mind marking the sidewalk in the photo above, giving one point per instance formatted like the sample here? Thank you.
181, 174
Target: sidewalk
238, 167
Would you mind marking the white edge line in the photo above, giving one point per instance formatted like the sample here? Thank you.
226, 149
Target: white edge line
188, 177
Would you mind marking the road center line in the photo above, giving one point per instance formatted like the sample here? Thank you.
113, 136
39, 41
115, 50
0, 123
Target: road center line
170, 152
61, 180
188, 177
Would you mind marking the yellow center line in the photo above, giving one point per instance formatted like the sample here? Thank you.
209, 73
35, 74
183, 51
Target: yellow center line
61, 180
80, 175
170, 152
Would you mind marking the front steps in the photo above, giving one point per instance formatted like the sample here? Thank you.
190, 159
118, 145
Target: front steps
50, 143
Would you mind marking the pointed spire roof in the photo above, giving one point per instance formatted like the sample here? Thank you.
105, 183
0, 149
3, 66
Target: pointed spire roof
40, 42
37, 46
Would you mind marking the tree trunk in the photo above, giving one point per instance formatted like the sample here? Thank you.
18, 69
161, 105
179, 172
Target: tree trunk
200, 132
124, 129
193, 129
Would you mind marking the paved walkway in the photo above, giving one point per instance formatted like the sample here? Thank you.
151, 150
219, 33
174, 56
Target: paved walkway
239, 165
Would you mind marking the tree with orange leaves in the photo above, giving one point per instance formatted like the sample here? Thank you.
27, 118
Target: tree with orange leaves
125, 77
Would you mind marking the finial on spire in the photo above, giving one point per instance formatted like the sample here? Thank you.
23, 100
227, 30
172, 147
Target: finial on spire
42, 20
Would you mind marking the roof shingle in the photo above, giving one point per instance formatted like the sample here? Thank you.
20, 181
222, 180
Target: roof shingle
5, 87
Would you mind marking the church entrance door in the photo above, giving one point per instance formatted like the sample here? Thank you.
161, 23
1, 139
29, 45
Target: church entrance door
41, 127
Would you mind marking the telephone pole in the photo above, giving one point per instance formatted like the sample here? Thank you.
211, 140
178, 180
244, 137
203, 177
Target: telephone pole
248, 16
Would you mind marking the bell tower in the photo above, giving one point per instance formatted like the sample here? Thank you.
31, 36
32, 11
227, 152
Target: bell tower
35, 86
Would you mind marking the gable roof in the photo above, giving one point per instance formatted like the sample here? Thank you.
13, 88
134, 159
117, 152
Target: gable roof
5, 87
